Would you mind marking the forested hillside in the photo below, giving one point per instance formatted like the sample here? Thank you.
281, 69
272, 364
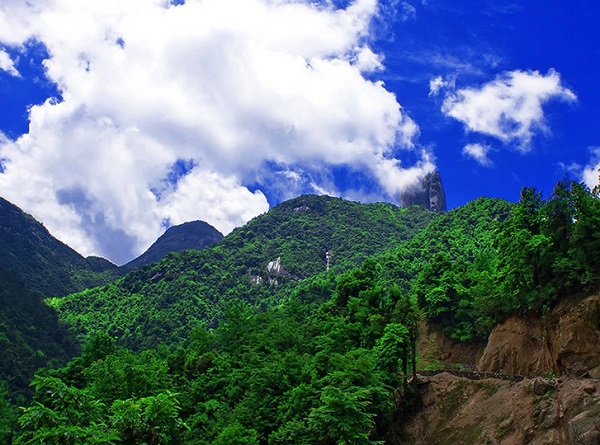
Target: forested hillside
35, 265
30, 334
47, 265
162, 302
306, 355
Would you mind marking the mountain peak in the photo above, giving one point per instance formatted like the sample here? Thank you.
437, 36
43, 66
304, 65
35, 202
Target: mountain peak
190, 235
428, 193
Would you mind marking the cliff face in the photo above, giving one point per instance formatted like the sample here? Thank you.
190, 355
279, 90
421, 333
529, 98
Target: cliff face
473, 408
429, 193
489, 411
567, 343
437, 351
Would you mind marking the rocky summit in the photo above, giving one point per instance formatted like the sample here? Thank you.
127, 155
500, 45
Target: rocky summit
428, 193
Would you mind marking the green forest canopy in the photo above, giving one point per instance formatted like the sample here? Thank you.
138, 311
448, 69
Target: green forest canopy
325, 357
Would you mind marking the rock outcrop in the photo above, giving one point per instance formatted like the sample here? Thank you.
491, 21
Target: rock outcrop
437, 351
559, 403
428, 193
566, 342
455, 410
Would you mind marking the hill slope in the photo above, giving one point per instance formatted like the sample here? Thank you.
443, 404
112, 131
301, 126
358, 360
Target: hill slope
30, 334
258, 263
327, 356
47, 265
34, 265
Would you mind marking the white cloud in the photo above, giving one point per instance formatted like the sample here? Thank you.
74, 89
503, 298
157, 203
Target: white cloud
508, 108
202, 192
232, 85
478, 152
7, 64
439, 84
367, 61
591, 172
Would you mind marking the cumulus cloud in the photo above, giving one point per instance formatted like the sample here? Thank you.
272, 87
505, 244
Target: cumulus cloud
7, 64
227, 88
478, 152
591, 172
509, 108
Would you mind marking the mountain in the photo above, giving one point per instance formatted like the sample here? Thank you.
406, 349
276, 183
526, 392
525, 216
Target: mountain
35, 265
259, 262
428, 193
324, 321
31, 335
298, 247
47, 265
190, 235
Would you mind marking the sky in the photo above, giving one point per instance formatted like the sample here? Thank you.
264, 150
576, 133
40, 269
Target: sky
119, 119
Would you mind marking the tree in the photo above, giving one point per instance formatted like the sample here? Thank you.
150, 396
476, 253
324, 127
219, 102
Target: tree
8, 415
390, 350
343, 417
150, 420
524, 255
236, 434
64, 415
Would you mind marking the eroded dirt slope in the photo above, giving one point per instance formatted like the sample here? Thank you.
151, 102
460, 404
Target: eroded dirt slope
567, 342
556, 403
539, 411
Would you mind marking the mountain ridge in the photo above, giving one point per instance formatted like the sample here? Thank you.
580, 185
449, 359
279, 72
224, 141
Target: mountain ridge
46, 264
306, 234
189, 235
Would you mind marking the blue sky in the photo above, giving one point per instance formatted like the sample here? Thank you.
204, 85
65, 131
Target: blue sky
118, 119
474, 42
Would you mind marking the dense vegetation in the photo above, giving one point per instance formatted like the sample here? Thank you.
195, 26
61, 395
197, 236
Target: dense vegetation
323, 356
34, 265
162, 302
547, 249
30, 335
323, 373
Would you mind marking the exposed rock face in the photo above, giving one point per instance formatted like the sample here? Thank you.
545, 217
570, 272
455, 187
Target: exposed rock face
189, 235
275, 267
436, 350
566, 343
429, 193
518, 346
457, 410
